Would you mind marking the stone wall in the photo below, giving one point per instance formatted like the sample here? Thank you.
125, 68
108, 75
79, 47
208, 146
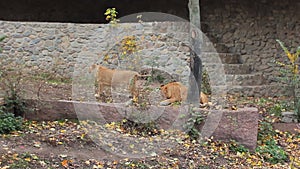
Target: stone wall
250, 28
247, 30
56, 48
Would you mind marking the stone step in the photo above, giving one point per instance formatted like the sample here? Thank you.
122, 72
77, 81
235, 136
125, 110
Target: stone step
259, 90
237, 69
246, 79
220, 47
210, 46
213, 57
229, 68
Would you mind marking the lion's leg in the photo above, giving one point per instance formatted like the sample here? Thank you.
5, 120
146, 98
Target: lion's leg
132, 87
100, 88
168, 101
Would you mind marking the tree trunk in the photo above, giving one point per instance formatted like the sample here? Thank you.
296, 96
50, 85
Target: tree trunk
195, 42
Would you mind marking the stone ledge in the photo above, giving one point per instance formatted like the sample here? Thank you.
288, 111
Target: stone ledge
240, 125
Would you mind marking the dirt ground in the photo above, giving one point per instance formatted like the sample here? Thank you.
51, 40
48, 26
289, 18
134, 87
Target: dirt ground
64, 144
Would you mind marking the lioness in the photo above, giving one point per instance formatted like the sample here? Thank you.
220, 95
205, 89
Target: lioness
175, 91
113, 78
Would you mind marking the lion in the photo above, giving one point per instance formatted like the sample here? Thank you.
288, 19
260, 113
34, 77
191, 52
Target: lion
175, 91
111, 78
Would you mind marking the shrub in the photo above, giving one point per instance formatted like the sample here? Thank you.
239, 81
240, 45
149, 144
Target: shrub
13, 102
9, 123
290, 74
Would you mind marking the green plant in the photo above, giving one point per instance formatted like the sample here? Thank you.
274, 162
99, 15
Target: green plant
13, 103
9, 123
195, 119
111, 15
291, 75
276, 110
129, 45
235, 147
1, 39
268, 147
265, 130
271, 152
205, 86
153, 62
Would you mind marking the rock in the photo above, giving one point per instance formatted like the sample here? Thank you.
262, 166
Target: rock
293, 128
289, 117
240, 125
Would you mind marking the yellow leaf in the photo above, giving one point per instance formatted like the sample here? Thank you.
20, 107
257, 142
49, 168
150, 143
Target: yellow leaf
34, 157
27, 159
131, 145
291, 57
64, 163
15, 156
295, 71
100, 166
249, 160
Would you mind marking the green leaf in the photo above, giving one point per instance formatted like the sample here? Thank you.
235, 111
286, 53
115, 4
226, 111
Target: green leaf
2, 38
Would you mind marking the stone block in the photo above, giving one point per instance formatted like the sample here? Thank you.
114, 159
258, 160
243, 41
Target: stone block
240, 125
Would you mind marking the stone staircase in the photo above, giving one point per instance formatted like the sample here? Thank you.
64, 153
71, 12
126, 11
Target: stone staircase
241, 78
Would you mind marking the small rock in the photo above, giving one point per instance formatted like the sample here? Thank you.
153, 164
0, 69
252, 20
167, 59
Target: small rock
164, 103
289, 117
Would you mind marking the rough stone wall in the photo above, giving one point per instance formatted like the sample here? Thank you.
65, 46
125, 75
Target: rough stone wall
250, 28
56, 48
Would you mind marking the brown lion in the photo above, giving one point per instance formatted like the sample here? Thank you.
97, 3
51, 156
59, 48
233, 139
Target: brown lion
111, 78
175, 91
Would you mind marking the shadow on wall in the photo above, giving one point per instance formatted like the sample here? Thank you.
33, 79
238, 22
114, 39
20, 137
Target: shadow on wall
85, 11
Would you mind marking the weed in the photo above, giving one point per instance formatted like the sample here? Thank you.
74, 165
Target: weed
13, 103
271, 152
111, 15
205, 86
276, 110
1, 39
195, 119
237, 147
142, 129
265, 130
9, 123
290, 75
